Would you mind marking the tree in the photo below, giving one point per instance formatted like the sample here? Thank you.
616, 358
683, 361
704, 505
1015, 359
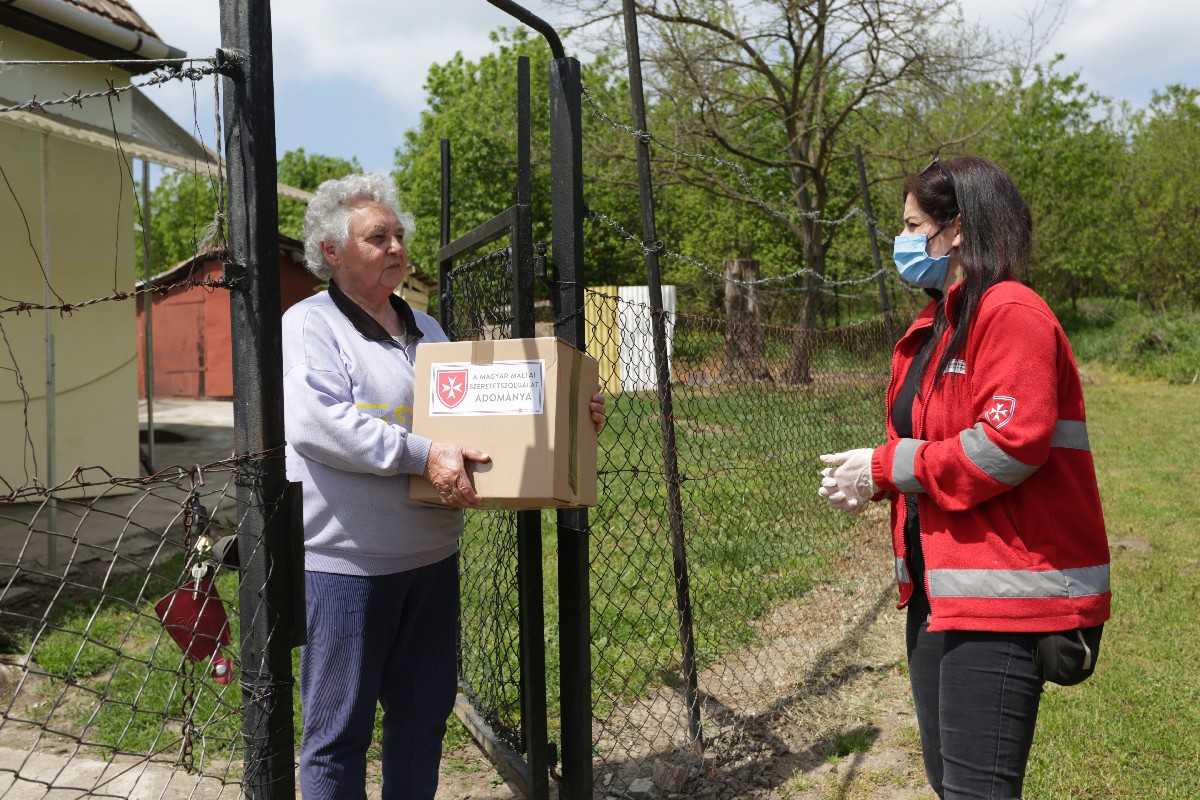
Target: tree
183, 206
306, 172
786, 88
1161, 212
1059, 144
473, 104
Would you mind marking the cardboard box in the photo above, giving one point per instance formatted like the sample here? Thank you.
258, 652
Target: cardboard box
524, 402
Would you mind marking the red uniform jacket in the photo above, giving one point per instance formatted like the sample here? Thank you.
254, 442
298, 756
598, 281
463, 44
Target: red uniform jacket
1010, 516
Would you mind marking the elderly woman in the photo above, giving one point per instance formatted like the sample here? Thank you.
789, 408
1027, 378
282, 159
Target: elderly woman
381, 571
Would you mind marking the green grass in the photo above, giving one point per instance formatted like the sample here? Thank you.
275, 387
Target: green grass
852, 742
116, 674
754, 530
749, 459
1133, 729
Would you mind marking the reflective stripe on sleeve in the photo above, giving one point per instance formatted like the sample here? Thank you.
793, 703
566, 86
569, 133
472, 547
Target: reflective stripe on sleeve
993, 461
902, 572
904, 466
1072, 434
1016, 583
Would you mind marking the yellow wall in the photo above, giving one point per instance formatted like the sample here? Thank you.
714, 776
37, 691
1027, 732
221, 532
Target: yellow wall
415, 293
603, 339
91, 255
23, 83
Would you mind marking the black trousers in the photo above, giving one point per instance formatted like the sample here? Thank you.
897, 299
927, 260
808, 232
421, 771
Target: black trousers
976, 695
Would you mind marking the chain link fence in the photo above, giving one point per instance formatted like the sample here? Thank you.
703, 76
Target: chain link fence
130, 641
478, 298
120, 624
720, 583
775, 582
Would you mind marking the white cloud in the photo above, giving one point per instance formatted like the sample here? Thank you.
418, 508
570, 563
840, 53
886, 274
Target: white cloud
1130, 48
1123, 49
349, 57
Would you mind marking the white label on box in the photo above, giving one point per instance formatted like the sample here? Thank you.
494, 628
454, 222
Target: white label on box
473, 390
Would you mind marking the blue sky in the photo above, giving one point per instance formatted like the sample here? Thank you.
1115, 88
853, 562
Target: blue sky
349, 74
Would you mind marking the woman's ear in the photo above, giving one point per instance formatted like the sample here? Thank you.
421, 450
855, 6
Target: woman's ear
330, 254
956, 242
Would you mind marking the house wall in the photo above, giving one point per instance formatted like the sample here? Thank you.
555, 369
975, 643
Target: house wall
90, 255
415, 293
22, 83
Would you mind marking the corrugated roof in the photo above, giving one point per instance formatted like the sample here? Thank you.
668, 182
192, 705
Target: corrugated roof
117, 11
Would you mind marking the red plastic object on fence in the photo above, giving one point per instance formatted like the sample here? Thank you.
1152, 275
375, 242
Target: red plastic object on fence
195, 617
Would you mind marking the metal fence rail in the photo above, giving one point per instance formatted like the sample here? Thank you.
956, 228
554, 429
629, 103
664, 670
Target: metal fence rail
478, 296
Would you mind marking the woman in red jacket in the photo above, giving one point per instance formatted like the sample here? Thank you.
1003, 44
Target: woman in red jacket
1001, 553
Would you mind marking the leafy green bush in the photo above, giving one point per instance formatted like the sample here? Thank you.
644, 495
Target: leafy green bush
1124, 336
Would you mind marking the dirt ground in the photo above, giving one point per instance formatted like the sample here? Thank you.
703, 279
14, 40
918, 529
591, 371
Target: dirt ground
858, 741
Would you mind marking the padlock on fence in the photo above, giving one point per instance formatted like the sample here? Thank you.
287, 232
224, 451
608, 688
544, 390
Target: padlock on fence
195, 617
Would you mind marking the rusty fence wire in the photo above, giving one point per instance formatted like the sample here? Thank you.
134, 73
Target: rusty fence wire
121, 604
120, 622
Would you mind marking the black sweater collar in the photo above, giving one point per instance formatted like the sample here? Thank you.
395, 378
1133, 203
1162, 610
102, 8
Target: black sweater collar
365, 324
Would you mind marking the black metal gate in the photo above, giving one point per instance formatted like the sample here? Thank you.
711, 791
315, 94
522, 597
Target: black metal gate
486, 291
486, 281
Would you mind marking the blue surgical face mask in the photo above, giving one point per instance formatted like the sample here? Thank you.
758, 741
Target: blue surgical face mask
915, 265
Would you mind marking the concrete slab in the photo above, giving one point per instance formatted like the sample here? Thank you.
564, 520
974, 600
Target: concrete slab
50, 775
111, 525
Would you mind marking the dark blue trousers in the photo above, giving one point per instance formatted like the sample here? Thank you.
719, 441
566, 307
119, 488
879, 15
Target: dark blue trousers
976, 696
390, 639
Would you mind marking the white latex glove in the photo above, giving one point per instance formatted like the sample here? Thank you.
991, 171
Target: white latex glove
830, 493
847, 483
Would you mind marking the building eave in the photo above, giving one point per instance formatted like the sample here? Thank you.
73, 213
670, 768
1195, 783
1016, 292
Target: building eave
88, 34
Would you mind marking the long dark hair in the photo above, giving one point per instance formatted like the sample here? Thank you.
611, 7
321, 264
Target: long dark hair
997, 235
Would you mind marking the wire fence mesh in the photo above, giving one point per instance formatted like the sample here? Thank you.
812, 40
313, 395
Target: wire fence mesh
775, 580
107, 583
478, 300
120, 601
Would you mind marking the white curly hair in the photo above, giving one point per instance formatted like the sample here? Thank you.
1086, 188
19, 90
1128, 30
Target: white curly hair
327, 218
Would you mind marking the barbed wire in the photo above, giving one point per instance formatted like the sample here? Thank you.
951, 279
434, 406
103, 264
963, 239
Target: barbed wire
22, 307
28, 234
34, 488
746, 181
169, 73
660, 247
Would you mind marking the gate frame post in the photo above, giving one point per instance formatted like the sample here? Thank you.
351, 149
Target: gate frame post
266, 546
662, 365
530, 587
530, 770
574, 551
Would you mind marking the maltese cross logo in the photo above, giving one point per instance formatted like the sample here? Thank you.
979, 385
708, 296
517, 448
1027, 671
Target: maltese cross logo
451, 386
1000, 411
